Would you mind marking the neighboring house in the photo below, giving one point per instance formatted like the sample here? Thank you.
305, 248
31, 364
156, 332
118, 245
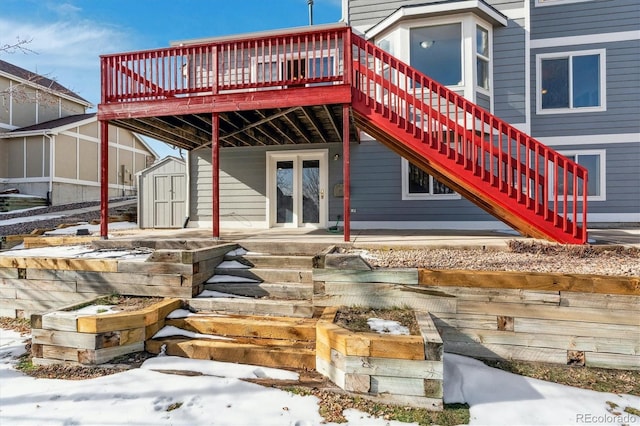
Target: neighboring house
563, 71
49, 144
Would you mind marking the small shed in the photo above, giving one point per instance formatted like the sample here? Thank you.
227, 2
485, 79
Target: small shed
162, 194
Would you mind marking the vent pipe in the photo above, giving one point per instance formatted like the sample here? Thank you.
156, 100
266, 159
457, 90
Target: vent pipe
310, 3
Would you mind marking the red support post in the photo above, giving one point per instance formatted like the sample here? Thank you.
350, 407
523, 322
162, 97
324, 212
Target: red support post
104, 179
346, 173
215, 172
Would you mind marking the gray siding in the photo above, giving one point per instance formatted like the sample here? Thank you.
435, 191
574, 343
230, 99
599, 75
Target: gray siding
483, 101
376, 192
509, 72
623, 95
366, 13
591, 17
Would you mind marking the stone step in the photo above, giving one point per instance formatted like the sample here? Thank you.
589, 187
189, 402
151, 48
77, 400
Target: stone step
250, 327
264, 353
272, 275
285, 291
281, 308
274, 261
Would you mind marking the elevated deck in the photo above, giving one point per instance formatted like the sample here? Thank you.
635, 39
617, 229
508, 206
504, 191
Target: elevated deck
325, 84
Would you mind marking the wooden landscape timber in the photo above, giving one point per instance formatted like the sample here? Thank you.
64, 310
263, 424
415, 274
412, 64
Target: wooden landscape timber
405, 368
568, 319
32, 285
71, 337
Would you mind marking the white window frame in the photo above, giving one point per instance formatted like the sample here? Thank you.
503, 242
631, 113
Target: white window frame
487, 59
570, 54
602, 153
542, 3
406, 195
281, 58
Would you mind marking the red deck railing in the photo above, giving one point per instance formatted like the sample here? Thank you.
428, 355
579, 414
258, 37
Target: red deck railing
530, 179
310, 57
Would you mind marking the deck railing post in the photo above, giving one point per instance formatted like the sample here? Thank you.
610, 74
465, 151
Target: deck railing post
346, 172
104, 179
215, 172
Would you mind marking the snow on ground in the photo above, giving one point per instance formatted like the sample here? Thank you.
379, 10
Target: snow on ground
80, 251
382, 326
232, 264
213, 293
171, 331
220, 278
146, 396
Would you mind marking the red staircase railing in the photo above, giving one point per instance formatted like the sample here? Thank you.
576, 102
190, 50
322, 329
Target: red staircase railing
529, 185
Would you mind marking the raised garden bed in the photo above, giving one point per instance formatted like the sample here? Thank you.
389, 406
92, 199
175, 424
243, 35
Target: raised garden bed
73, 336
397, 369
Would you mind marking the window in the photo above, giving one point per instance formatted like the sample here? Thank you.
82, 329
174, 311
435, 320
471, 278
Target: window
482, 57
437, 52
419, 185
594, 162
571, 82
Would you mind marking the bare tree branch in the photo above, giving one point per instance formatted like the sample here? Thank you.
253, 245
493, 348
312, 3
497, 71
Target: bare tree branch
19, 46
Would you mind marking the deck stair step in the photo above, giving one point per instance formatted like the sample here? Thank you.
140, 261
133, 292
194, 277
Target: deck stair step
269, 274
252, 306
286, 291
260, 340
291, 355
275, 261
250, 326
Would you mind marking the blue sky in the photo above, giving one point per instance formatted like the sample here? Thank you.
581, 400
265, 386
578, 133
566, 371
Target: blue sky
67, 37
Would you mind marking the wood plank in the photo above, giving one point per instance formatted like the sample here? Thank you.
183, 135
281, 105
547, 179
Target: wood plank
342, 340
63, 321
601, 301
264, 327
360, 383
477, 321
504, 295
433, 348
392, 299
46, 362
334, 374
117, 277
54, 241
130, 336
506, 352
142, 267
609, 360
39, 306
206, 253
100, 356
110, 322
292, 308
8, 293
8, 272
399, 386
395, 276
133, 289
268, 356
399, 347
591, 315
387, 366
64, 338
532, 281
629, 345
60, 297
105, 265
431, 404
7, 312
159, 311
573, 328
60, 352
44, 284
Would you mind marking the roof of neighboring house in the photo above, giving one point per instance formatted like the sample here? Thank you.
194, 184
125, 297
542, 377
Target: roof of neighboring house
39, 80
54, 124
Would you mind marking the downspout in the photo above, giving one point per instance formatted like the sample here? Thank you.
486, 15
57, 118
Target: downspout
52, 150
187, 200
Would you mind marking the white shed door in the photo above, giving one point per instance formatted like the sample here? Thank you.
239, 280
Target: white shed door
169, 201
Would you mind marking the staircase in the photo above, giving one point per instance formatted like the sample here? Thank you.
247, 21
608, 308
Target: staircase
256, 309
499, 168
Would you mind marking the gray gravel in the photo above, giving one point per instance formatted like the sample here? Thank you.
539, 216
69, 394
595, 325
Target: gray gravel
622, 262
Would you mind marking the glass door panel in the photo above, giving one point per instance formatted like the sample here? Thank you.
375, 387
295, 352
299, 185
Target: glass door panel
284, 191
311, 191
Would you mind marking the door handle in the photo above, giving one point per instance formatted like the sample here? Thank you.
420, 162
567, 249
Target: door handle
322, 194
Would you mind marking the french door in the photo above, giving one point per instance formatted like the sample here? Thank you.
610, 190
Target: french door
297, 188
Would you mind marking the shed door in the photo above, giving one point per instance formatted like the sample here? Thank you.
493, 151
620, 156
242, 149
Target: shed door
169, 201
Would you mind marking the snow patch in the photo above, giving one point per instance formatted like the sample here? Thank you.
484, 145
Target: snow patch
221, 278
237, 252
171, 331
216, 294
382, 326
232, 264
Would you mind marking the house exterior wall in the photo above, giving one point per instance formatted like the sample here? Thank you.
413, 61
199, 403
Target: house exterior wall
532, 30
